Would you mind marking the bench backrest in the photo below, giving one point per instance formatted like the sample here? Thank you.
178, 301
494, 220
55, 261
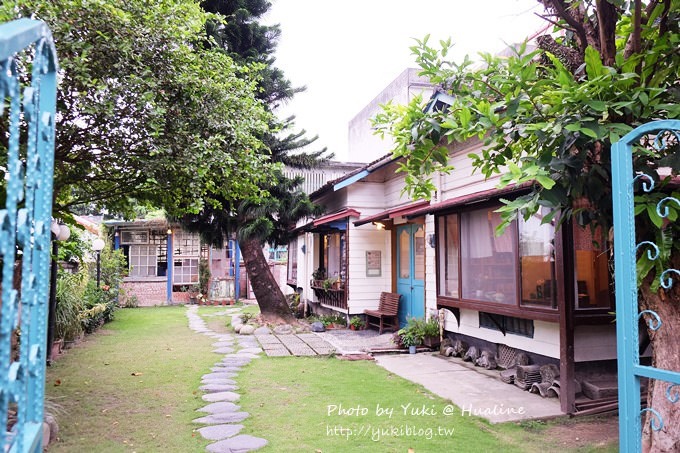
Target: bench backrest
389, 303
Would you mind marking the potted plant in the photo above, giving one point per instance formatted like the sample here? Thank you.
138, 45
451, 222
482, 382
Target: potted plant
194, 291
431, 337
412, 335
356, 323
318, 277
409, 339
328, 283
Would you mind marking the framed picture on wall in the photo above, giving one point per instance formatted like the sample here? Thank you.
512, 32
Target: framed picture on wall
373, 263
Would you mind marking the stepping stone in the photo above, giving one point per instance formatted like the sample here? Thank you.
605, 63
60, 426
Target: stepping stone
250, 351
237, 444
223, 344
218, 419
221, 396
223, 350
215, 388
229, 368
220, 407
219, 432
232, 360
218, 381
218, 375
227, 372
247, 355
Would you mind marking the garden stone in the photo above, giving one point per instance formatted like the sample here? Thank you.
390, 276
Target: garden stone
222, 374
223, 350
223, 344
214, 388
218, 419
303, 329
220, 369
221, 396
237, 444
318, 327
262, 331
246, 329
247, 355
219, 432
220, 407
218, 381
284, 329
237, 327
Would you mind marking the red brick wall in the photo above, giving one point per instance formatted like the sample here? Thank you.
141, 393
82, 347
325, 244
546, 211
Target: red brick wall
148, 293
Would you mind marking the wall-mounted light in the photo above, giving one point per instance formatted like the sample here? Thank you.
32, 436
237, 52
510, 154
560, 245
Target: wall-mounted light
379, 225
431, 240
303, 249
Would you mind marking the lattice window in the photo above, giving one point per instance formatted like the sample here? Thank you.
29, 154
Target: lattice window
142, 260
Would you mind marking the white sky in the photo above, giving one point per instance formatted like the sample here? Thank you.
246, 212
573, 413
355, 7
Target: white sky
346, 51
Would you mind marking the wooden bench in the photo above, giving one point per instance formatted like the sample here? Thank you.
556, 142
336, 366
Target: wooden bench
386, 314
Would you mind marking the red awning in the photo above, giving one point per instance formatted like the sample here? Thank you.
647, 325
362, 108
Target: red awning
393, 212
328, 218
477, 197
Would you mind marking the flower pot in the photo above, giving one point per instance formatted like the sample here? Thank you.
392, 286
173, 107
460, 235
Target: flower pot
411, 349
432, 342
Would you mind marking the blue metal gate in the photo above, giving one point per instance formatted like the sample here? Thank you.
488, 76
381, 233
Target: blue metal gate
28, 126
627, 311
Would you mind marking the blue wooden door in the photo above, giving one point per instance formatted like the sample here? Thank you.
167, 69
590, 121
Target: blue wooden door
411, 271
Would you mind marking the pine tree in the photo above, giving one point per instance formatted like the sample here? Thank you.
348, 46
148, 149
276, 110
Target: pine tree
246, 41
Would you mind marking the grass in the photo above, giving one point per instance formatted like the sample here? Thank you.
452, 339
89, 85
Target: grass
133, 386
329, 405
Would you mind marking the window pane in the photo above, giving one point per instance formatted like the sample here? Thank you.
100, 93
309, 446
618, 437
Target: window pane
488, 264
537, 262
419, 244
448, 252
592, 271
404, 254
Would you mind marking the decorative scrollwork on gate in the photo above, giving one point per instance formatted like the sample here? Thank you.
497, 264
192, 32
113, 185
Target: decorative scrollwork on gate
663, 135
27, 173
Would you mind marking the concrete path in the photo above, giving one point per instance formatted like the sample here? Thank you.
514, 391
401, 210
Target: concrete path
472, 391
222, 414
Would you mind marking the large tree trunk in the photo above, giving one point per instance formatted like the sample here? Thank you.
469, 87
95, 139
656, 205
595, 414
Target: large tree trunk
666, 355
270, 298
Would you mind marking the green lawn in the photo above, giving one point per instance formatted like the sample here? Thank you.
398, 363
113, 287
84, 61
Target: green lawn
133, 387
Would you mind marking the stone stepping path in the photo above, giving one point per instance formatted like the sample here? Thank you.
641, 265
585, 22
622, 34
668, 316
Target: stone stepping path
221, 413
302, 344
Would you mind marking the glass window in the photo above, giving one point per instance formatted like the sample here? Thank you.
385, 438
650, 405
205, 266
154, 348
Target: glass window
142, 260
134, 237
537, 261
335, 256
404, 256
592, 269
293, 260
419, 254
449, 250
488, 263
